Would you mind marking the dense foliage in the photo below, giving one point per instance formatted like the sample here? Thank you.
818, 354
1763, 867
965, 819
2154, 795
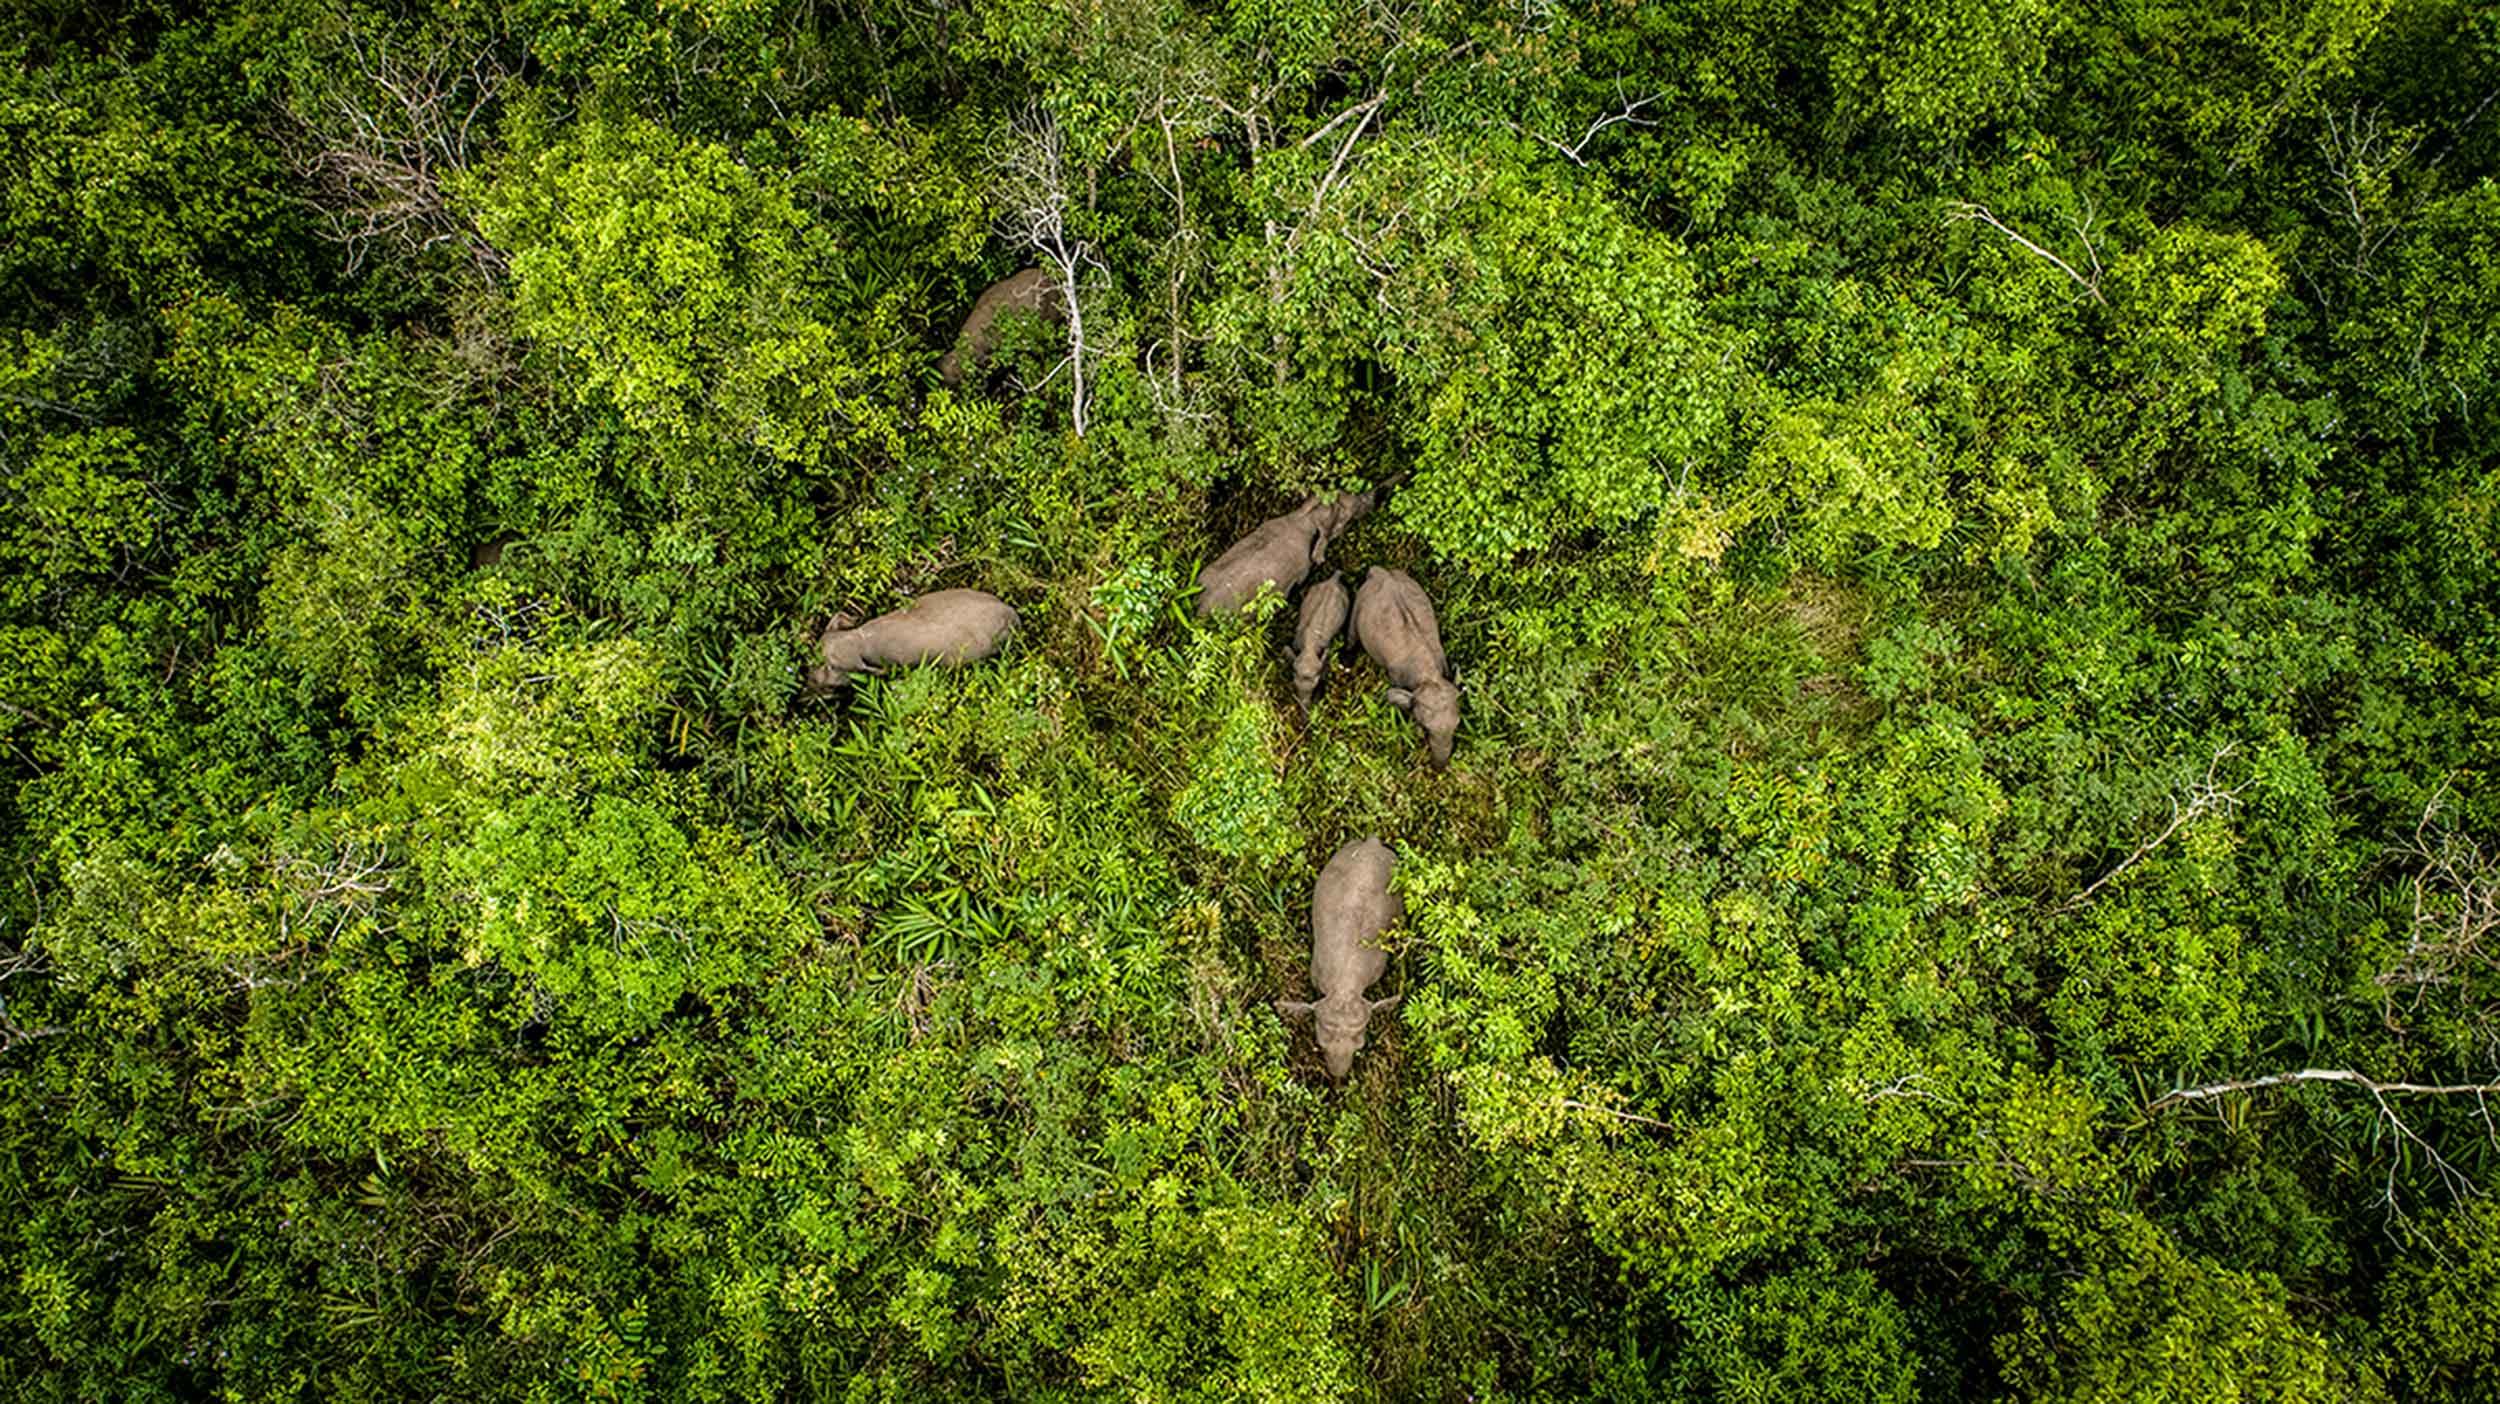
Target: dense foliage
1971, 534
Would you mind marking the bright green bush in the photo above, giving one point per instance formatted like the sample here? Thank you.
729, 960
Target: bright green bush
692, 292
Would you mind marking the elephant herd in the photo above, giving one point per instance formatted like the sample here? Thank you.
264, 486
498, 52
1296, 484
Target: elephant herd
1389, 617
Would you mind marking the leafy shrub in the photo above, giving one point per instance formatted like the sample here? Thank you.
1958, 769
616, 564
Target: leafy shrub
1233, 804
617, 912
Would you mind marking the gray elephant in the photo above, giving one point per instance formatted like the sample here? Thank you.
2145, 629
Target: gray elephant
1324, 610
1350, 907
1032, 291
1394, 623
945, 626
1279, 553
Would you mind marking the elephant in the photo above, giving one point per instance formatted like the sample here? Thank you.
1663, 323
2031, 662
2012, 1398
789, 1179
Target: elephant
1031, 291
1351, 906
948, 626
1279, 553
1394, 623
1324, 610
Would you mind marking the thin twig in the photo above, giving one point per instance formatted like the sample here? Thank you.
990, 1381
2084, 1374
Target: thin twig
1571, 1105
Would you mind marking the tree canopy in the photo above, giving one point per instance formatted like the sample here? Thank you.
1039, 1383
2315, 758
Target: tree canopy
1969, 533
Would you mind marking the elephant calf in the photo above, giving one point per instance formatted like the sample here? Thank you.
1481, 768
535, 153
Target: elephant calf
1324, 610
1031, 291
1350, 907
946, 626
1279, 553
1394, 623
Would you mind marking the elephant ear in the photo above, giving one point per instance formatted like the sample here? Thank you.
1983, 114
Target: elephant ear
1400, 698
1295, 1008
1383, 1006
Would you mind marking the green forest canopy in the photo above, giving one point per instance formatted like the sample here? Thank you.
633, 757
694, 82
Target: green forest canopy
1971, 533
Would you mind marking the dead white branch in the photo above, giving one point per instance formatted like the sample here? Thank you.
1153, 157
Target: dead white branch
2201, 797
1336, 168
1568, 1104
383, 137
2004, 1165
1363, 110
2346, 1076
2458, 1182
1968, 210
1906, 1085
1033, 197
1626, 113
2083, 235
2362, 156
2456, 903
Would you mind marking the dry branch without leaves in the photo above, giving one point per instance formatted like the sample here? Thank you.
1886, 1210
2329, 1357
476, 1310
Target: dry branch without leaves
27, 959
1969, 210
1032, 195
1627, 113
2458, 1182
2456, 905
2361, 155
2201, 797
1567, 1104
2346, 1076
381, 138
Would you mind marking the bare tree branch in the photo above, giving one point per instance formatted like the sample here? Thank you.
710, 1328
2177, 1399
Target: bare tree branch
2456, 904
1033, 198
1363, 109
1906, 1085
2363, 156
1319, 193
1569, 1105
1981, 213
2031, 1179
2464, 128
2375, 1088
2203, 797
381, 140
1627, 113
2457, 1181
